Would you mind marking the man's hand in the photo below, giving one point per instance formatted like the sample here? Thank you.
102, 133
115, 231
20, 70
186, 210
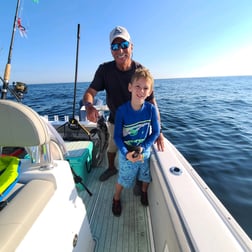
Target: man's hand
160, 142
92, 113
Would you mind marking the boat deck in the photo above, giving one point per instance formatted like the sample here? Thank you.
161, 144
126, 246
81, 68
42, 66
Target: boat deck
127, 233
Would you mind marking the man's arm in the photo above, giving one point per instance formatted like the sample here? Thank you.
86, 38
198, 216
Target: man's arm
160, 139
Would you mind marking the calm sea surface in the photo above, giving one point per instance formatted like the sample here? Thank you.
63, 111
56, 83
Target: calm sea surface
209, 120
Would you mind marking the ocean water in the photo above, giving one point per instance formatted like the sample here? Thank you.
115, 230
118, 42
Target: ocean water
209, 120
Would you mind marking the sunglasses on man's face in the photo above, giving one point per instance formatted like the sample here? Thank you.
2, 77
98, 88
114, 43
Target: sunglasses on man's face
122, 45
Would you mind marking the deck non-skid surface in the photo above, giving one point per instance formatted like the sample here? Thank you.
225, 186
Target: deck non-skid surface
127, 233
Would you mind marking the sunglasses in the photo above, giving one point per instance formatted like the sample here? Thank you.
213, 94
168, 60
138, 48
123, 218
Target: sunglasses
122, 45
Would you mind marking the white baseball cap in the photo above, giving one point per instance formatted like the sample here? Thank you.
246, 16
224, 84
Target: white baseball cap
119, 32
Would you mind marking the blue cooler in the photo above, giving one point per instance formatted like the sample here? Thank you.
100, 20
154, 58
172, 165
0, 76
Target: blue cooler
80, 159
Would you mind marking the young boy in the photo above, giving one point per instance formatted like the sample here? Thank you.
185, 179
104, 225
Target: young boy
136, 129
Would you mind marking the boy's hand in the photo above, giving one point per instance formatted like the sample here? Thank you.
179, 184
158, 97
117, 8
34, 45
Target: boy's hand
137, 151
134, 156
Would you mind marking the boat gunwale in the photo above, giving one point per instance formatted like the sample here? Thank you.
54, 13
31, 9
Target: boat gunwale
233, 227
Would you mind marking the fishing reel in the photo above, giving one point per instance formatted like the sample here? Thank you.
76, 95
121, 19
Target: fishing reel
19, 89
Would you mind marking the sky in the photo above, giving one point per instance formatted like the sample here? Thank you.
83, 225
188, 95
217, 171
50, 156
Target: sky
173, 39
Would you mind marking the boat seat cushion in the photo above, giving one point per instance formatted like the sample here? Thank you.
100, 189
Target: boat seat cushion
21, 126
20, 213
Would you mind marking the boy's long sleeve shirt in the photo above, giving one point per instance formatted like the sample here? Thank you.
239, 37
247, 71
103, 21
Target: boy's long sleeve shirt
136, 128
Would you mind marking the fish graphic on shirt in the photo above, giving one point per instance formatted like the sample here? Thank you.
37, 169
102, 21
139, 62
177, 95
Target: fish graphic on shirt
133, 130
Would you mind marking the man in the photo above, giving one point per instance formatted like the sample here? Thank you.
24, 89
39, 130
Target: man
114, 77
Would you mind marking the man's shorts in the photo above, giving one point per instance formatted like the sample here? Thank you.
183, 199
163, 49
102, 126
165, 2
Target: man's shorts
111, 145
129, 171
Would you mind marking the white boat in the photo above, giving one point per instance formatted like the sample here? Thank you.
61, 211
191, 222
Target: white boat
46, 211
43, 211
52, 200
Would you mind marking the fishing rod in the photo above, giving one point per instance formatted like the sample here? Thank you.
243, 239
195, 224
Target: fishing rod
73, 123
76, 68
6, 78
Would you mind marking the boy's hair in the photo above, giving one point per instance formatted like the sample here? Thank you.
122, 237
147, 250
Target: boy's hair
142, 73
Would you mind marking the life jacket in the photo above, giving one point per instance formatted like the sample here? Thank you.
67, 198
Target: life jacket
9, 173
